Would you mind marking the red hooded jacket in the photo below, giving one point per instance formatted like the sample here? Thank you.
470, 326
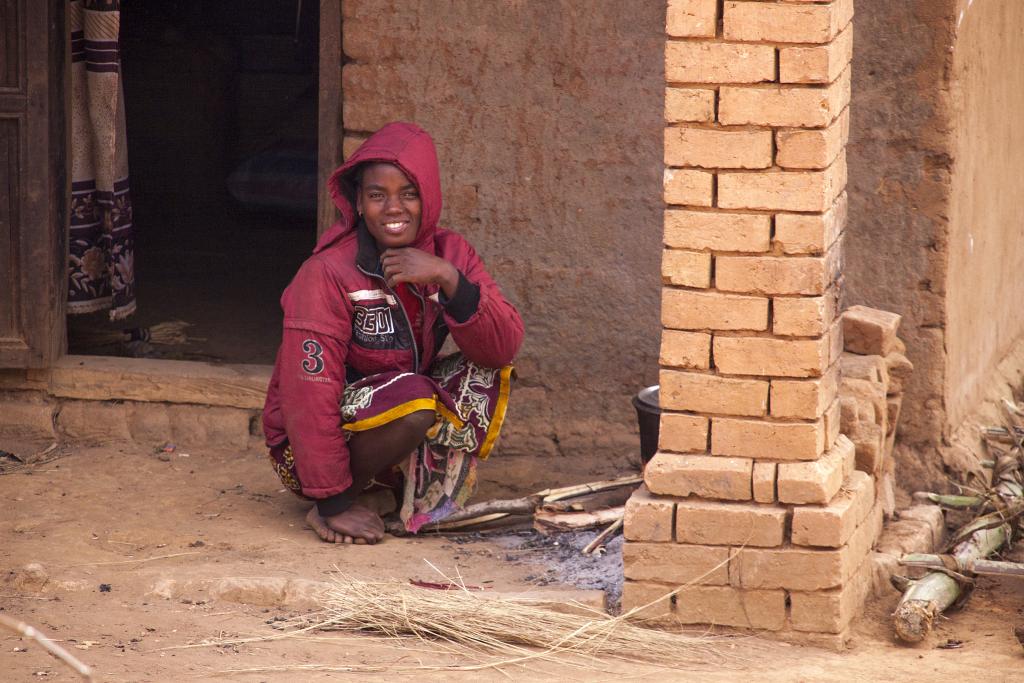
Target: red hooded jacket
342, 321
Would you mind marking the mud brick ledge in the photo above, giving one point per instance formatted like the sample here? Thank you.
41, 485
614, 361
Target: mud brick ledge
753, 496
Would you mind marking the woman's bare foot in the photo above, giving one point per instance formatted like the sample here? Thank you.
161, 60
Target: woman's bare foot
358, 525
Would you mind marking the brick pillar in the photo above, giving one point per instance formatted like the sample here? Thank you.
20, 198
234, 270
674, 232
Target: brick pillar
753, 494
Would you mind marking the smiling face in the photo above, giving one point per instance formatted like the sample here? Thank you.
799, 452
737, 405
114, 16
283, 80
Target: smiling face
390, 205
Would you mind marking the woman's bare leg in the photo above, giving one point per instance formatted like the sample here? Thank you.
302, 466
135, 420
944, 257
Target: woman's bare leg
370, 453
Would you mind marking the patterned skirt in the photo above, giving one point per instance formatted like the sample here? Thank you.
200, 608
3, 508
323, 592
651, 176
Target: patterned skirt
470, 403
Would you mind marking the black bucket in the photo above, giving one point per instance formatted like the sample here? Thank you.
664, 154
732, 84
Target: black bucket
648, 415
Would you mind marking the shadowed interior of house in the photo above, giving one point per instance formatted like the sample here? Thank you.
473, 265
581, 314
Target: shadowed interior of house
221, 109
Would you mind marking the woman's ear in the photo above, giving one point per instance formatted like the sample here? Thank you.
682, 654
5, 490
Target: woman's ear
359, 201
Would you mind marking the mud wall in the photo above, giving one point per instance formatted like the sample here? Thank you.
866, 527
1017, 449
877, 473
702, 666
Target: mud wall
900, 158
936, 211
548, 120
986, 242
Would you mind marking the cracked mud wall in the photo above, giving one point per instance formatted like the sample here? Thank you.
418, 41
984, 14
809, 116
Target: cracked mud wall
937, 205
986, 243
900, 159
548, 120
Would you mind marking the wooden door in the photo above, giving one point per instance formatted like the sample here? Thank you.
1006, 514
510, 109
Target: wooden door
33, 179
329, 117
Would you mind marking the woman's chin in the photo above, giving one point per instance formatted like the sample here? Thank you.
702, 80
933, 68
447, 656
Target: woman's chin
388, 240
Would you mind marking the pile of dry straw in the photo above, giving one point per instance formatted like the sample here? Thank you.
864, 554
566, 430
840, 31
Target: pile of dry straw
480, 631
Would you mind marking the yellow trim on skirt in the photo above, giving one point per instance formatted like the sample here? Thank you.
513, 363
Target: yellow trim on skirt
499, 413
403, 409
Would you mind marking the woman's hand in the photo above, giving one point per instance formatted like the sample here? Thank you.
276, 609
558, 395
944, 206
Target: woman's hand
417, 267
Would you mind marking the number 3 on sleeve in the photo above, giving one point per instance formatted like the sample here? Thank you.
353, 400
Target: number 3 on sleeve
313, 363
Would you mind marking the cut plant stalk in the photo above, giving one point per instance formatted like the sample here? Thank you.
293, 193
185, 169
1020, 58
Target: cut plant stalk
980, 567
937, 591
948, 500
1000, 509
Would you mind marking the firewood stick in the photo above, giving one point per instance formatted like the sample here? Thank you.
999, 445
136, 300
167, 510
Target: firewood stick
21, 628
547, 522
528, 504
447, 525
514, 506
491, 510
600, 539
552, 495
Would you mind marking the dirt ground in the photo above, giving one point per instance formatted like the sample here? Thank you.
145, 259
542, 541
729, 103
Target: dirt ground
133, 549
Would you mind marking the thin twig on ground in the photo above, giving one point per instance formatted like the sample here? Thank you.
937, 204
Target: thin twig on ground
20, 627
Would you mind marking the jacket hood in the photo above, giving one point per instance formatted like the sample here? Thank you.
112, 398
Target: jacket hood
407, 146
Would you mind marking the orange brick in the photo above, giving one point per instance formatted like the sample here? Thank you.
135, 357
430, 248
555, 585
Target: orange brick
717, 605
785, 23
682, 433
837, 339
706, 393
833, 424
716, 148
706, 476
870, 331
695, 105
814, 148
692, 18
726, 606
648, 518
693, 188
816, 481
805, 569
782, 190
771, 357
763, 480
768, 440
674, 563
706, 62
809, 275
900, 369
691, 350
717, 231
874, 369
692, 310
814, 234
804, 399
833, 524
831, 611
818, 64
714, 523
804, 316
651, 602
784, 105
686, 268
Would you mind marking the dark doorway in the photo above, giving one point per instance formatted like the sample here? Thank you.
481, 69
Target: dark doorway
221, 106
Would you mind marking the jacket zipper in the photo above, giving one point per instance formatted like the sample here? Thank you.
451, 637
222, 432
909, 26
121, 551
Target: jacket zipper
405, 316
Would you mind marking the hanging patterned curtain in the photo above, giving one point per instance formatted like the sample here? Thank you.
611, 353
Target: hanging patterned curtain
102, 244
